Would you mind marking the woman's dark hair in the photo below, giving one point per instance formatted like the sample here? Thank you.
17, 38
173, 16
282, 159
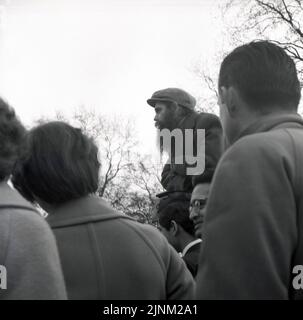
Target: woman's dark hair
11, 137
58, 163
177, 210
264, 75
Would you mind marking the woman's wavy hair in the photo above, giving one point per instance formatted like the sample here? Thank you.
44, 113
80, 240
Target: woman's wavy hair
58, 163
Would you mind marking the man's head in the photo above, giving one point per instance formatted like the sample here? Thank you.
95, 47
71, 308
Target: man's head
11, 137
197, 206
256, 79
174, 222
171, 105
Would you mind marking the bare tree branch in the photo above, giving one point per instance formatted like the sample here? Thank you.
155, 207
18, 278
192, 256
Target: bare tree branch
278, 21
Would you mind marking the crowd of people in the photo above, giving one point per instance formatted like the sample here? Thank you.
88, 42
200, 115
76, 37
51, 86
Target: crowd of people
233, 231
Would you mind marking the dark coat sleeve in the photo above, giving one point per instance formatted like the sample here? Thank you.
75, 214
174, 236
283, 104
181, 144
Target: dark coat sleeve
213, 146
180, 284
250, 225
191, 260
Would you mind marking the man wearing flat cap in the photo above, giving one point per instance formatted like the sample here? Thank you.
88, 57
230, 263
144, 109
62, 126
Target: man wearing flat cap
175, 109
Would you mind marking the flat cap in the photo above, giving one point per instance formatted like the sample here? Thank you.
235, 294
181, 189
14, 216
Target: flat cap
179, 96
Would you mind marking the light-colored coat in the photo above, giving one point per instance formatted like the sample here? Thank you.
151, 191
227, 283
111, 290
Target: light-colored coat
28, 251
253, 234
108, 255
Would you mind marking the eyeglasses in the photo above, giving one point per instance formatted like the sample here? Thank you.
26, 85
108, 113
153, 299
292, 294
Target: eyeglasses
198, 204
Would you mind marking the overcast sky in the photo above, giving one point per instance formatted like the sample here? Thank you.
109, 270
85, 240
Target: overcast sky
110, 55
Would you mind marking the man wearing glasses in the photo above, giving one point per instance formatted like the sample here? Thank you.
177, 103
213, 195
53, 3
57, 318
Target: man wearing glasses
197, 206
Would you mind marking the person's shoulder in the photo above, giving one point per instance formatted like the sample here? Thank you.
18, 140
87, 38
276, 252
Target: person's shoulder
146, 231
28, 224
25, 231
149, 234
207, 120
259, 145
18, 210
261, 140
207, 115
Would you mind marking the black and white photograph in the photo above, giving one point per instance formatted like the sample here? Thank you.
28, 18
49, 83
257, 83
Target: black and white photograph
151, 150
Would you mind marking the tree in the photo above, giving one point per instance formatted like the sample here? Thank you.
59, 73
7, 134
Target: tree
146, 180
134, 193
208, 97
116, 140
129, 180
279, 21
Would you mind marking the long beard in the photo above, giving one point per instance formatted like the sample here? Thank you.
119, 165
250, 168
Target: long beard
164, 149
159, 143
170, 122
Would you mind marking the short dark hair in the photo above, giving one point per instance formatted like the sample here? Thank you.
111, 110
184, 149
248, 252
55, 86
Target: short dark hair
177, 210
264, 75
58, 163
11, 137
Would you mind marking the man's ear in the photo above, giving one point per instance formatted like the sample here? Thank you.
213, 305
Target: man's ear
174, 227
230, 100
172, 108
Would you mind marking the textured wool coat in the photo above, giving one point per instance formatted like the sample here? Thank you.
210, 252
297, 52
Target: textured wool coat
28, 251
108, 255
253, 228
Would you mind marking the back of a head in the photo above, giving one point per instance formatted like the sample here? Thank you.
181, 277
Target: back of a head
58, 163
11, 137
265, 76
177, 210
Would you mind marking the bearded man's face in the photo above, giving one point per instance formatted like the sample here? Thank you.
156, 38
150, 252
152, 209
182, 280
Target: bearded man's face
165, 116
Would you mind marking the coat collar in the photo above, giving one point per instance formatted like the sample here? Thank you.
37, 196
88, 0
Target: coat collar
83, 210
189, 246
11, 198
270, 122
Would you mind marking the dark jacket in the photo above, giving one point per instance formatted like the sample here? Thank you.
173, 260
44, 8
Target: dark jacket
253, 228
28, 251
191, 258
174, 176
108, 255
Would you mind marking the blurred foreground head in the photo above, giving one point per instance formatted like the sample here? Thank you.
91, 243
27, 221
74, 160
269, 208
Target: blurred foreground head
57, 163
11, 136
255, 80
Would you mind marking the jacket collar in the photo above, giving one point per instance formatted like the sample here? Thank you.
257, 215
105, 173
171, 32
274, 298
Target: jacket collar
189, 246
12, 198
83, 210
271, 122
